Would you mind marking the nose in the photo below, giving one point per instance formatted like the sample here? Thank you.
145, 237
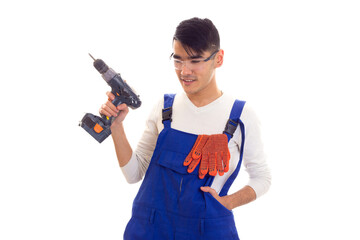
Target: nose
185, 70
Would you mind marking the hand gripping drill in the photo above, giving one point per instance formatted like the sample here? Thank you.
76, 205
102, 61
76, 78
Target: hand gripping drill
99, 127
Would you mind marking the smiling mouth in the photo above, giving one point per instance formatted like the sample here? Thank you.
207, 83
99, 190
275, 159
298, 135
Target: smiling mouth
187, 79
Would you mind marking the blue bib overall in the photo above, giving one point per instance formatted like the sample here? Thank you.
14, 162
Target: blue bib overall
170, 204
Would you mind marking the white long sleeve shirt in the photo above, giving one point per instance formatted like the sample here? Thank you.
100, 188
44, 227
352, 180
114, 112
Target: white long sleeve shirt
209, 119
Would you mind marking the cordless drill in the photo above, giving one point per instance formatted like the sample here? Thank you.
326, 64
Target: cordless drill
99, 127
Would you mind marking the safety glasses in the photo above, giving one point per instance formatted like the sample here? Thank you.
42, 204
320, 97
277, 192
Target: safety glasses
194, 64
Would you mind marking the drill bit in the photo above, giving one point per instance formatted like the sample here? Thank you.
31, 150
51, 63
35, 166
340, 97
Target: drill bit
92, 57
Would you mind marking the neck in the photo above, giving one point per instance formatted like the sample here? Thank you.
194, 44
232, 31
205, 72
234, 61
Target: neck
206, 96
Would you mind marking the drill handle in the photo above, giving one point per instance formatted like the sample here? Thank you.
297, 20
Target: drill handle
109, 120
117, 101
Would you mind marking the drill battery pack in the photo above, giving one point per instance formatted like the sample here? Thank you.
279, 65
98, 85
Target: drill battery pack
95, 126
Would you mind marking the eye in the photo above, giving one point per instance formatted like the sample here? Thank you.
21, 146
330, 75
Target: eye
195, 61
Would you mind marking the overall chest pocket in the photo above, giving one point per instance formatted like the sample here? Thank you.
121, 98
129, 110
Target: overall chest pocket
173, 161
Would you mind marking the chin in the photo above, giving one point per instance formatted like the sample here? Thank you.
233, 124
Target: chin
190, 91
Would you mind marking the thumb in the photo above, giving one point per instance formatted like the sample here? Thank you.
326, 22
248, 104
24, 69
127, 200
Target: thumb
211, 191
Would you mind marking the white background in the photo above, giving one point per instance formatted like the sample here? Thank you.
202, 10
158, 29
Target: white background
295, 62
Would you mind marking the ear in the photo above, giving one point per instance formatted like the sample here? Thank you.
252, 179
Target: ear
219, 59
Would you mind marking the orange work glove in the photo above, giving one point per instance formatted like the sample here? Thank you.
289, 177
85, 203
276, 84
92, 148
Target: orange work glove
194, 157
215, 156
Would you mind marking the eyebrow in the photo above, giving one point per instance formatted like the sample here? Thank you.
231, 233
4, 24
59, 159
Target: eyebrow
190, 57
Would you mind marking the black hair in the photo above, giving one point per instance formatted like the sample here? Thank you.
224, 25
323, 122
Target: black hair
197, 35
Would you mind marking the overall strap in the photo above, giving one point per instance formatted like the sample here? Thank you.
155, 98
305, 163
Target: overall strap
230, 128
234, 118
167, 110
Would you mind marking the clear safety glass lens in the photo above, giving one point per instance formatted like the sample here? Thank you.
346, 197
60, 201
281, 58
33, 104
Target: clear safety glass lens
190, 64
193, 64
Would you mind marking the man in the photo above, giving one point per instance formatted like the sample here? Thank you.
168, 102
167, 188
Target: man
181, 153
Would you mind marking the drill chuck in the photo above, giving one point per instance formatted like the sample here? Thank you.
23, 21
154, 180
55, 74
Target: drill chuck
106, 72
101, 66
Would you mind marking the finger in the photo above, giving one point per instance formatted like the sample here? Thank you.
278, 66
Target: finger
110, 96
204, 165
201, 176
107, 111
193, 165
215, 195
212, 164
226, 160
211, 191
199, 146
111, 106
219, 165
122, 107
189, 158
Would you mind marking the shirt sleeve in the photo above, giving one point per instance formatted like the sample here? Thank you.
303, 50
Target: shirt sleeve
139, 162
254, 158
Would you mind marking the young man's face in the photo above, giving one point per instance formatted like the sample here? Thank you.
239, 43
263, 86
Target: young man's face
196, 76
